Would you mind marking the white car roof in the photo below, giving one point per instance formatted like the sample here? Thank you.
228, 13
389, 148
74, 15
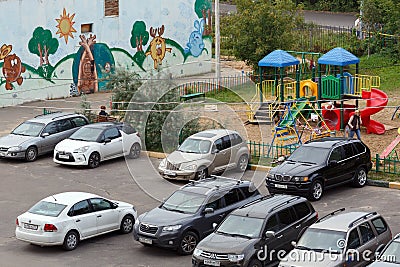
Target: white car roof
69, 198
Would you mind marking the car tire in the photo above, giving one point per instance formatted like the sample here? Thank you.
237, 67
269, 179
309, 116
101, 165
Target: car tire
71, 240
201, 173
134, 152
31, 154
255, 263
188, 243
360, 177
242, 163
127, 224
316, 190
94, 160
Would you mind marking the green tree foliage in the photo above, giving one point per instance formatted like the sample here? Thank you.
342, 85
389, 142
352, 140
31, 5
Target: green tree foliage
260, 27
331, 5
42, 44
139, 35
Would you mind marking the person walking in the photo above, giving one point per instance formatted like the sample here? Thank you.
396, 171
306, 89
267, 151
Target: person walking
355, 124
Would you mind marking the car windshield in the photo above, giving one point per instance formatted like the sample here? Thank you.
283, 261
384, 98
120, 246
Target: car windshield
88, 134
241, 226
391, 253
322, 240
198, 146
47, 208
183, 202
28, 129
310, 154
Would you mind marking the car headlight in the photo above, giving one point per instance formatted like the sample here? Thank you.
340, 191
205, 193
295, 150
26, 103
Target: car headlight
191, 167
81, 149
171, 228
235, 257
300, 179
270, 176
163, 163
15, 149
197, 252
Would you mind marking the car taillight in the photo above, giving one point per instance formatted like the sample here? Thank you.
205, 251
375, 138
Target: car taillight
17, 222
317, 214
50, 228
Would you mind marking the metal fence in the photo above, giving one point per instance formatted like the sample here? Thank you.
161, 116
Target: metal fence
387, 165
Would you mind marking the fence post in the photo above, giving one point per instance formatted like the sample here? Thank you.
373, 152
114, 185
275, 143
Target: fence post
377, 162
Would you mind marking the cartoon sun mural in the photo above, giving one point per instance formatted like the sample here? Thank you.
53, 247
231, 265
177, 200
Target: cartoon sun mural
65, 28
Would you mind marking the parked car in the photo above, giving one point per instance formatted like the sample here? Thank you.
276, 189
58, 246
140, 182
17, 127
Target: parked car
340, 239
40, 135
98, 142
389, 255
254, 234
189, 213
67, 218
205, 153
321, 164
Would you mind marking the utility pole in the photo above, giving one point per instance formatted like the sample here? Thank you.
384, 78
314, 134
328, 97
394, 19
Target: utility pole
217, 44
361, 19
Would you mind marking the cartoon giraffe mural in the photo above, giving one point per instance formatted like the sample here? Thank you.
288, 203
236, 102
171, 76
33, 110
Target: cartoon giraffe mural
12, 67
87, 77
157, 46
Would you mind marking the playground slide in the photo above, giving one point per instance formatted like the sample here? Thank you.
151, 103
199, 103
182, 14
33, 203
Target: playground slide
376, 101
291, 116
390, 148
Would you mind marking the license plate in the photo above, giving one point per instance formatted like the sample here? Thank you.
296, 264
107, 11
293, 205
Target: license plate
169, 173
30, 226
62, 156
2, 154
283, 186
145, 240
212, 262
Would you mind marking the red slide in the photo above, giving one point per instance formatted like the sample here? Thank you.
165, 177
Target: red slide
376, 101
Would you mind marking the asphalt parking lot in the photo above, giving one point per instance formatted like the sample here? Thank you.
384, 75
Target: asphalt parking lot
137, 182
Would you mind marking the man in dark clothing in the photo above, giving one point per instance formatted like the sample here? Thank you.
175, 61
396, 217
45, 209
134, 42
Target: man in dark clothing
355, 124
103, 111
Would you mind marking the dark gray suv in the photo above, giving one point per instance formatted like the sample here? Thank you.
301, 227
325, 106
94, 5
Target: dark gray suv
255, 234
189, 214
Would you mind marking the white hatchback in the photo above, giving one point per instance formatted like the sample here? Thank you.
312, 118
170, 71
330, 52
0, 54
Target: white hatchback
97, 142
69, 217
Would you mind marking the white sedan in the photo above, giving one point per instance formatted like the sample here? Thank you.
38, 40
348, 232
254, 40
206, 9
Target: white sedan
97, 142
67, 218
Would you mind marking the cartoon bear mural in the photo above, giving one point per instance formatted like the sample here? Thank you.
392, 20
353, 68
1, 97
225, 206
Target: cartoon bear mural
92, 63
157, 46
12, 67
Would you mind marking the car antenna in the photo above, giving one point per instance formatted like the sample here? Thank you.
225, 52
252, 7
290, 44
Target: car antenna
54, 197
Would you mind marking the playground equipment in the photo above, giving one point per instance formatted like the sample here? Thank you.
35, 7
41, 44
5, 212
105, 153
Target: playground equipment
390, 151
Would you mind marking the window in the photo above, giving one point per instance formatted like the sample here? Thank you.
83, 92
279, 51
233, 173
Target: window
354, 240
336, 154
379, 225
248, 192
79, 208
359, 147
51, 128
78, 121
272, 224
64, 125
111, 8
218, 144
236, 139
233, 197
302, 210
100, 204
226, 142
348, 151
366, 232
47, 209
214, 202
285, 217
111, 133
87, 27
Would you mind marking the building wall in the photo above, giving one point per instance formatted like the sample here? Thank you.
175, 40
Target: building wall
55, 48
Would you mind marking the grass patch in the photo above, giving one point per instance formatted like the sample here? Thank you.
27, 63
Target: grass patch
225, 95
381, 176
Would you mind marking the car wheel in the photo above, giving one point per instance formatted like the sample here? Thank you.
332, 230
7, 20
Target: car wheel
188, 243
360, 178
242, 163
316, 190
201, 173
127, 224
71, 240
94, 160
31, 153
255, 263
134, 153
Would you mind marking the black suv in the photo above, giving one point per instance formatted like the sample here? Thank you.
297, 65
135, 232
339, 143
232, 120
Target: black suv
320, 164
189, 214
256, 234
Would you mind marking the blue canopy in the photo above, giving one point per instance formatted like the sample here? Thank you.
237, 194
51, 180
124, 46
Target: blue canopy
278, 58
338, 57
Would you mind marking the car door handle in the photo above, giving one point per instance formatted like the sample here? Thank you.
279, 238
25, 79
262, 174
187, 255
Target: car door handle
98, 216
280, 236
78, 220
297, 226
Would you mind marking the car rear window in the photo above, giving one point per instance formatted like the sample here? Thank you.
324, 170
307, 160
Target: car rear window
302, 210
47, 209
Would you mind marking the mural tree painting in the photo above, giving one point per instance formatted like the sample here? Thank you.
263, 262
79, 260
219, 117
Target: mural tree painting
203, 10
139, 37
43, 44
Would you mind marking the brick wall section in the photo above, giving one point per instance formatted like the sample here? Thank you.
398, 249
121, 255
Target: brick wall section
111, 7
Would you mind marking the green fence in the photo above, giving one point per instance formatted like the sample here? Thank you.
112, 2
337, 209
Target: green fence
268, 151
387, 165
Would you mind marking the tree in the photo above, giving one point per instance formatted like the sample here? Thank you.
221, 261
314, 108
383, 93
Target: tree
139, 35
203, 10
42, 44
260, 27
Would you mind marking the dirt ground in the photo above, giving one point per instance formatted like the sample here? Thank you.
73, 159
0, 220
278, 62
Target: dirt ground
377, 143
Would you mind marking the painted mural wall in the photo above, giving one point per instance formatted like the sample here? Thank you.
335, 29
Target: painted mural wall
57, 48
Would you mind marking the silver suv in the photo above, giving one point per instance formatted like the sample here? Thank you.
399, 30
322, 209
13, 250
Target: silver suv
343, 239
205, 153
39, 135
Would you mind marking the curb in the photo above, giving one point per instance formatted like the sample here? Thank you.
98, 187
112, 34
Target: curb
157, 155
258, 167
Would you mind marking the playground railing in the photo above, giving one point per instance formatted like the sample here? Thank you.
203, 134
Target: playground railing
387, 165
268, 151
268, 88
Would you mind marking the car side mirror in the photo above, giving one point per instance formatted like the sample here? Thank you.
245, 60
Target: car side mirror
214, 225
281, 159
107, 140
293, 243
114, 205
333, 163
269, 234
45, 134
215, 151
208, 210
